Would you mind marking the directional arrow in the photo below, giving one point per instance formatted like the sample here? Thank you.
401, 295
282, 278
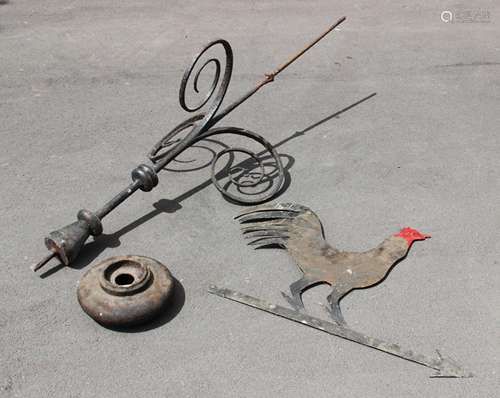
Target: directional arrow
445, 367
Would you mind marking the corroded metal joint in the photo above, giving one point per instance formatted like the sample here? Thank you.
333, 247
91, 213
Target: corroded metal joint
67, 241
94, 223
146, 176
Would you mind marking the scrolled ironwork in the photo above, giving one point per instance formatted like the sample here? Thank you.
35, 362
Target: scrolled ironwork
200, 126
66, 242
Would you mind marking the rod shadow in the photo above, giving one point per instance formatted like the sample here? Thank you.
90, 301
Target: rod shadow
295, 135
93, 249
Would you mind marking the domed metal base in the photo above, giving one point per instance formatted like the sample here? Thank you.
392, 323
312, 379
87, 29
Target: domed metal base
125, 290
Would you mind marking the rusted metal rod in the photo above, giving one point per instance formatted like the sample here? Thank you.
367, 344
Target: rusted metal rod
66, 243
281, 68
269, 77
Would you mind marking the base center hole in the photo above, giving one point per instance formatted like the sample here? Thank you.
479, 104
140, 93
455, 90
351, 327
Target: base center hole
124, 279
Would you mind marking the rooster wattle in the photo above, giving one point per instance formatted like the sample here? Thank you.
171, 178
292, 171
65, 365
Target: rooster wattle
299, 230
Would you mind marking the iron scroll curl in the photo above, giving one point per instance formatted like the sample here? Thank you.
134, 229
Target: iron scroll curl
65, 243
201, 126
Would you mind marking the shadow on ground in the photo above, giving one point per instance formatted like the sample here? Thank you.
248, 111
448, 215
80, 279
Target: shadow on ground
93, 249
170, 312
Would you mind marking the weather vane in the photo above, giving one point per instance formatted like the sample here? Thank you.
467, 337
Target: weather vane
66, 243
298, 229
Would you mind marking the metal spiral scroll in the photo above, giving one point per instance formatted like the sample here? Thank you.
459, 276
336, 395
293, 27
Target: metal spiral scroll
201, 127
66, 242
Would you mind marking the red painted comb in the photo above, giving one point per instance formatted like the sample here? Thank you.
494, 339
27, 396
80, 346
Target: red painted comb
411, 235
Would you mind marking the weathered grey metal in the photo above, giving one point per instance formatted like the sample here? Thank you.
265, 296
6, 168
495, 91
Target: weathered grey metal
298, 229
125, 290
445, 367
65, 243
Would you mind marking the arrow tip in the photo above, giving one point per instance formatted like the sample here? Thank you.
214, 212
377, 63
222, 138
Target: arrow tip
447, 367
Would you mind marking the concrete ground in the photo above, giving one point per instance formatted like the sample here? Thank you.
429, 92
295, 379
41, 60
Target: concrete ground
88, 87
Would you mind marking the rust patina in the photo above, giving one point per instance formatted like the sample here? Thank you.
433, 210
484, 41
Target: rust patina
125, 290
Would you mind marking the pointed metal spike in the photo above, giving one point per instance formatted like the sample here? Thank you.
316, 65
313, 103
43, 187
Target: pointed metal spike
44, 261
263, 234
267, 241
265, 209
265, 224
255, 228
267, 215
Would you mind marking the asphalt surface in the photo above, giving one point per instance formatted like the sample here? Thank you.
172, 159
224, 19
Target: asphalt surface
88, 87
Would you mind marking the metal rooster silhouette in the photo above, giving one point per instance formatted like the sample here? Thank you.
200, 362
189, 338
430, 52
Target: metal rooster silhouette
298, 229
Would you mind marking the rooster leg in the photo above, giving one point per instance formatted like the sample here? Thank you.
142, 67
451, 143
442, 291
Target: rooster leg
296, 290
334, 310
